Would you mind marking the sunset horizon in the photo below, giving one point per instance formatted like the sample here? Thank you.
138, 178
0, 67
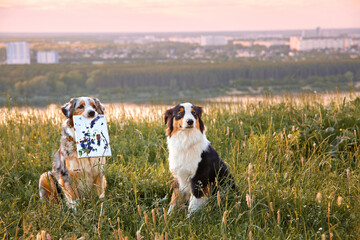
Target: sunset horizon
124, 16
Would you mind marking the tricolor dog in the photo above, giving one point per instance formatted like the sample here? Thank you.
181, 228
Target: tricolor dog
71, 176
193, 162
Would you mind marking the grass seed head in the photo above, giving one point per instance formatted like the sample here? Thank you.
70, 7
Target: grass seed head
224, 218
318, 197
271, 207
164, 212
218, 198
138, 235
139, 210
249, 168
248, 200
146, 218
339, 200
153, 216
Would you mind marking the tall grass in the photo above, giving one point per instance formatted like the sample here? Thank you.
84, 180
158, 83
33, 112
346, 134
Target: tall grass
295, 161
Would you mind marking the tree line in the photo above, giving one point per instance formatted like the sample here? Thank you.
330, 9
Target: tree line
26, 82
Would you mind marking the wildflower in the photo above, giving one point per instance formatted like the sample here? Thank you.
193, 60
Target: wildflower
340, 129
250, 235
323, 237
293, 128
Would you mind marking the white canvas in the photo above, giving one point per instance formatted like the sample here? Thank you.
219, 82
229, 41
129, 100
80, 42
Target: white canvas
91, 137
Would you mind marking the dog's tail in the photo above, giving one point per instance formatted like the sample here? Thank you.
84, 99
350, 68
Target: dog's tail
49, 188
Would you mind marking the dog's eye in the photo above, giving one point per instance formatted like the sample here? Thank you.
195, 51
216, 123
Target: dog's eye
193, 113
180, 114
81, 106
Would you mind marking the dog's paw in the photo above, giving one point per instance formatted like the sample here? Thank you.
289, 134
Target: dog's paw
72, 204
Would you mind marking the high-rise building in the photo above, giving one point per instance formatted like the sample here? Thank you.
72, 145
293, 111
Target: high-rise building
18, 53
47, 57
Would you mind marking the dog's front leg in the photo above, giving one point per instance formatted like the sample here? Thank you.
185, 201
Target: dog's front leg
199, 195
178, 197
70, 190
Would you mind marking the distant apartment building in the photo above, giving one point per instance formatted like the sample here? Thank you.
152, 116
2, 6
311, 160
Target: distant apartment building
147, 39
47, 57
213, 41
18, 53
308, 44
271, 42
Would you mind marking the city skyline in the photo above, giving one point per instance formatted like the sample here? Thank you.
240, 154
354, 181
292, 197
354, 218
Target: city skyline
175, 16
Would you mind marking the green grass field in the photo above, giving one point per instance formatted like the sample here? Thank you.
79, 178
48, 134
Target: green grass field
295, 161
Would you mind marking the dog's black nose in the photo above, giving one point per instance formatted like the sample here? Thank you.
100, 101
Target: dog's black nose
190, 122
91, 113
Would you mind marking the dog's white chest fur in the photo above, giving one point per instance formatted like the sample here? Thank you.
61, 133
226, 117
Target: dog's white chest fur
185, 148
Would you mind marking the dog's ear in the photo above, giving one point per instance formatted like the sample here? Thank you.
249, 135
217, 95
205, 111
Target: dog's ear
199, 112
99, 107
169, 121
68, 108
168, 114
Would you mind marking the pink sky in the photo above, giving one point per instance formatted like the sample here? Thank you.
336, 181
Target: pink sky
175, 15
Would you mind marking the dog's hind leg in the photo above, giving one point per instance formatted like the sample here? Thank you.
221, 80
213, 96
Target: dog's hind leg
48, 188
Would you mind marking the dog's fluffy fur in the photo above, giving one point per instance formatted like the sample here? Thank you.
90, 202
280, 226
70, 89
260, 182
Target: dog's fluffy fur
71, 177
194, 163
